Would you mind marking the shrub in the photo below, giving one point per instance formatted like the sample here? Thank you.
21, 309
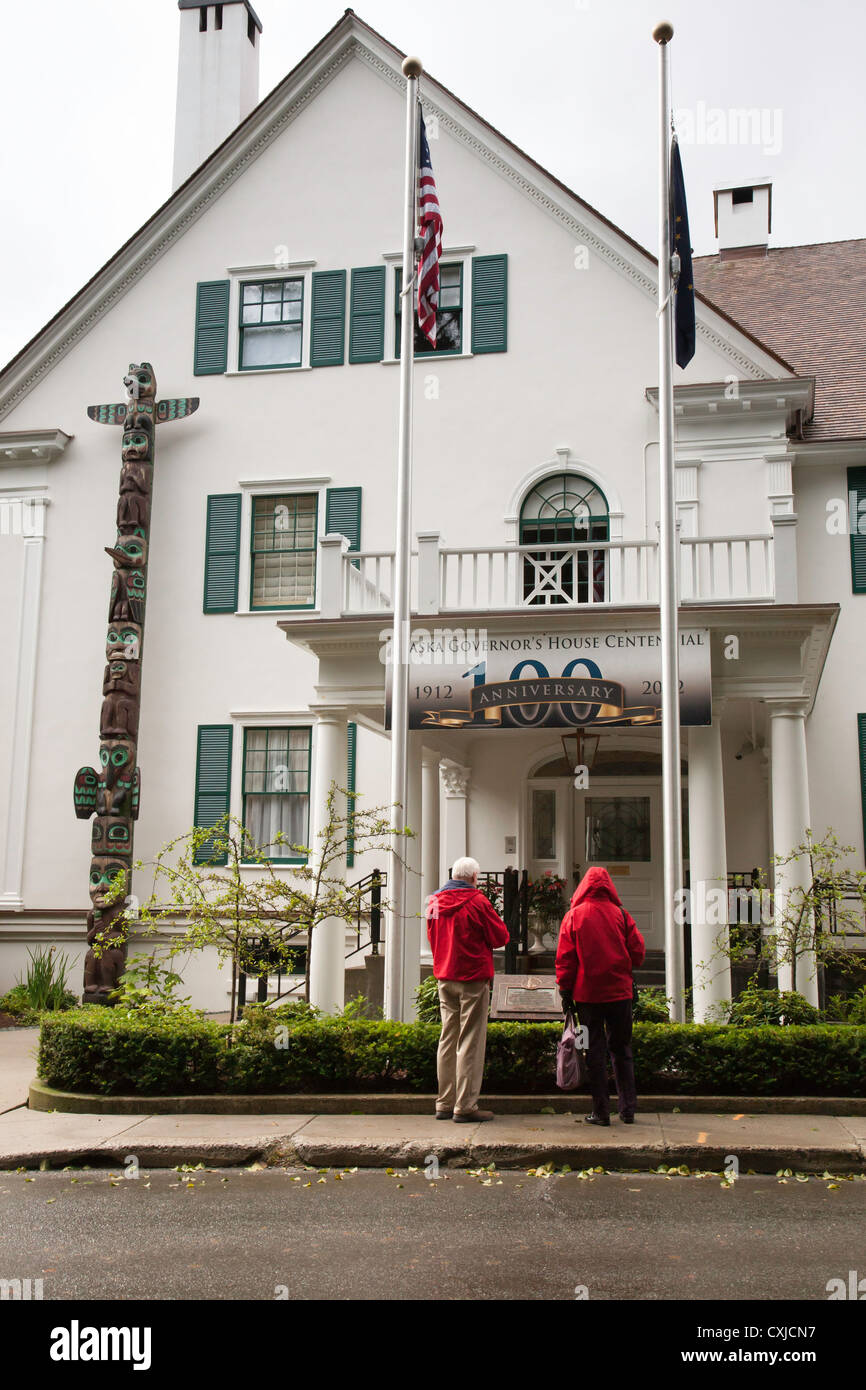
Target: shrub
102, 1051
758, 1006
652, 1005
427, 1001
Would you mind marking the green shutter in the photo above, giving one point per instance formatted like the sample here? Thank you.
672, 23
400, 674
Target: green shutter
367, 314
343, 514
352, 737
222, 553
857, 527
213, 775
328, 321
489, 303
211, 327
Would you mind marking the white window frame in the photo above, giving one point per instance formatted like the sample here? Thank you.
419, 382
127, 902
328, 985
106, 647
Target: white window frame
267, 487
238, 275
461, 255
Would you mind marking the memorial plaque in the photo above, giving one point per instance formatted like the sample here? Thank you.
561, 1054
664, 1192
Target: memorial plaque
526, 997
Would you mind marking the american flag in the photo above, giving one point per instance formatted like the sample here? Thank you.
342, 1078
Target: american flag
430, 223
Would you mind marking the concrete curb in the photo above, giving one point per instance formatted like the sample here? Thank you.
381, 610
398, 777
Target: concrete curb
46, 1098
342, 1153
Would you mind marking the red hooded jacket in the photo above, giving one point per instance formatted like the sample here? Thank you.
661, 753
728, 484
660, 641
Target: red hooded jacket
599, 943
463, 930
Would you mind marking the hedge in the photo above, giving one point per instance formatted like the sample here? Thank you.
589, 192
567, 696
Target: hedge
109, 1053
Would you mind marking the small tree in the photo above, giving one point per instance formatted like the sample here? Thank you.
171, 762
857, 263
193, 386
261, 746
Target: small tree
205, 878
800, 930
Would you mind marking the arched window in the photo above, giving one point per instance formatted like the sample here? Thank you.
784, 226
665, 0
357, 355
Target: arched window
564, 514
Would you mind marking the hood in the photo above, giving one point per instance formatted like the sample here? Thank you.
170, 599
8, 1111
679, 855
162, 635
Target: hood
596, 884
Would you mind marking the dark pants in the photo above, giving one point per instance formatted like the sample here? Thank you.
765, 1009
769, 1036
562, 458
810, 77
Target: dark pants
614, 1019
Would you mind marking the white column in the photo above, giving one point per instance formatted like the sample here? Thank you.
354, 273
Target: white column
415, 925
428, 571
430, 794
22, 727
327, 973
332, 594
789, 780
708, 865
455, 836
785, 558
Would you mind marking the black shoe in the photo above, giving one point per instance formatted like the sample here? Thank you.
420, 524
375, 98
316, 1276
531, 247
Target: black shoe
444, 1114
627, 1119
596, 1120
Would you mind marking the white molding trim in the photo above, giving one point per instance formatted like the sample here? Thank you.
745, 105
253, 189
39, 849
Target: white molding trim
260, 716
316, 480
271, 268
32, 446
446, 251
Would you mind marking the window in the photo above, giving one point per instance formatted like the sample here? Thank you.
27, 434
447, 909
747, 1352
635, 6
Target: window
564, 514
283, 548
219, 16
271, 323
202, 19
543, 823
276, 789
617, 829
742, 195
449, 317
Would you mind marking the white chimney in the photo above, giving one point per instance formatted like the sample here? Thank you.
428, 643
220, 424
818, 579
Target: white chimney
743, 218
218, 78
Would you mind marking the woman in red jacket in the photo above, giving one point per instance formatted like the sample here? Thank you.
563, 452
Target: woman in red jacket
599, 947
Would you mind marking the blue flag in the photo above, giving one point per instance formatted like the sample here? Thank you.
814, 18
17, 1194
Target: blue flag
684, 308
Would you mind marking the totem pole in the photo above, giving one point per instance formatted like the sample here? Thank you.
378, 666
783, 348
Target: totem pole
112, 791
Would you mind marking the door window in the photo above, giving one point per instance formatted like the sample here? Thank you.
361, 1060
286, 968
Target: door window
618, 829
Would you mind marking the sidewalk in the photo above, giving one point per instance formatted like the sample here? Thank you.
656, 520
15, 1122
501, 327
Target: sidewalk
763, 1143
18, 1048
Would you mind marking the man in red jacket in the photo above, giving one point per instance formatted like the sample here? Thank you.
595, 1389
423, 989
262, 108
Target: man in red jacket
463, 931
599, 947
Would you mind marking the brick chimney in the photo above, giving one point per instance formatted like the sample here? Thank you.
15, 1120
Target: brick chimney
743, 216
218, 78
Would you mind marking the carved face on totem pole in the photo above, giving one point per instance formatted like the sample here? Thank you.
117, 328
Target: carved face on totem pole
111, 836
118, 783
135, 446
123, 642
103, 872
120, 707
127, 583
140, 382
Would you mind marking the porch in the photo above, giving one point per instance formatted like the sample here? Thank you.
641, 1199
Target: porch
749, 569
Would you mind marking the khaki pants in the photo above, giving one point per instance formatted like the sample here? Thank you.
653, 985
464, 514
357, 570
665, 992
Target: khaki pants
460, 1058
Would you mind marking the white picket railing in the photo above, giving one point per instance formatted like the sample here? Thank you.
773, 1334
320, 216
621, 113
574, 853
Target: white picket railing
601, 574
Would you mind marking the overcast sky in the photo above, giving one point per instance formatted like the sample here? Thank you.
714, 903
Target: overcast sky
87, 99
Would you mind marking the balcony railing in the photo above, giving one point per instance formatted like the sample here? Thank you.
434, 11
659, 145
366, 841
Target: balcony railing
608, 574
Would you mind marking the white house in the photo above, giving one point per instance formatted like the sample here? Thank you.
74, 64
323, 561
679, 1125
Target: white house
267, 286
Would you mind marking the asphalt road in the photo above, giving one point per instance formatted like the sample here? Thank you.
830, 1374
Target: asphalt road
256, 1235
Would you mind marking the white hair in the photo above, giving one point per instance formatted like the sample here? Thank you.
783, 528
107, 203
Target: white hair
465, 869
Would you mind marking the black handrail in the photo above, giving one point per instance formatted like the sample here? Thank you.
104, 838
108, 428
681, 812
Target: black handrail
262, 952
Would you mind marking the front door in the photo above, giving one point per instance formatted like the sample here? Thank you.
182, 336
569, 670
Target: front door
617, 826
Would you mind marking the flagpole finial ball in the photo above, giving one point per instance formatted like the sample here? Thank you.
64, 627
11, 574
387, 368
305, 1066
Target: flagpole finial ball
412, 67
664, 32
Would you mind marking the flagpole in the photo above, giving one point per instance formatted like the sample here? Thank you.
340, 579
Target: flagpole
394, 940
670, 712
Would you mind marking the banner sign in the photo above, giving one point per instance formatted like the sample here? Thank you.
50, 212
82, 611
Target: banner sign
460, 678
